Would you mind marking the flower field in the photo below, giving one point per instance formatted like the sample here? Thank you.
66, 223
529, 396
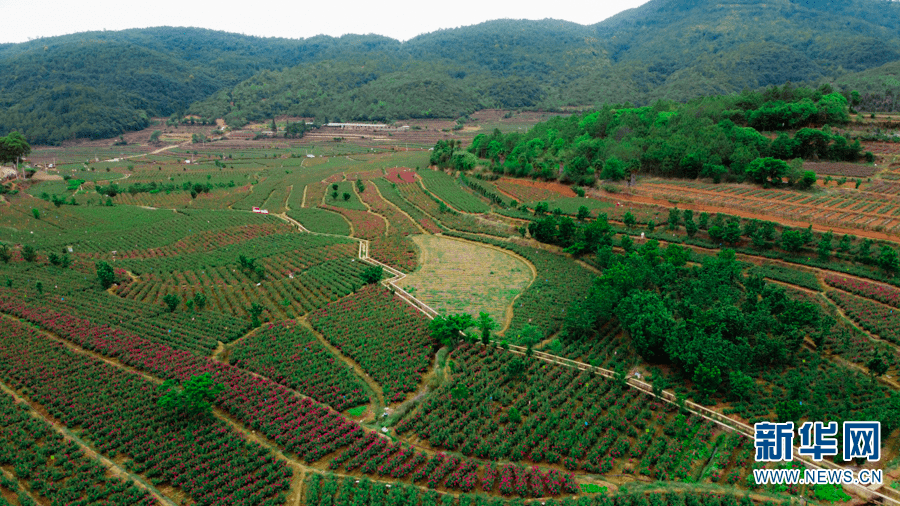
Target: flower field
881, 320
399, 222
390, 192
335, 491
320, 220
607, 350
400, 175
558, 416
343, 187
72, 476
841, 169
209, 240
301, 272
193, 331
791, 275
315, 194
365, 224
271, 188
448, 189
117, 412
875, 291
418, 197
99, 230
291, 355
384, 335
299, 425
394, 248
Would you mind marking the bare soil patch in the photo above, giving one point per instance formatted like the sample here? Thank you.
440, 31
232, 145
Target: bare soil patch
550, 189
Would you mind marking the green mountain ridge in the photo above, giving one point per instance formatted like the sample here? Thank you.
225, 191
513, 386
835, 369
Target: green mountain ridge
57, 88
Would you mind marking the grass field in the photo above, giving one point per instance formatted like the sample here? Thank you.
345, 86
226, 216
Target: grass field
462, 277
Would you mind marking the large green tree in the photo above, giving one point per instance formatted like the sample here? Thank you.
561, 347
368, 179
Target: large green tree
13, 148
194, 397
449, 330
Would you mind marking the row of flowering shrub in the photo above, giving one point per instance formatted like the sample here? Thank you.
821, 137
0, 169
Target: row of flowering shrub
291, 355
877, 318
389, 191
299, 425
882, 293
206, 240
116, 411
335, 491
384, 335
300, 272
394, 247
556, 415
55, 468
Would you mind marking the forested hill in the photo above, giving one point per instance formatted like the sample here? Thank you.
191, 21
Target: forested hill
98, 84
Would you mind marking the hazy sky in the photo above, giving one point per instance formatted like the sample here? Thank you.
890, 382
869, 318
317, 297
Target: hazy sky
400, 19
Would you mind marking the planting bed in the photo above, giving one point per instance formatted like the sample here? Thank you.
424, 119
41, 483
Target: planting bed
116, 411
384, 335
554, 415
448, 189
458, 276
290, 354
26, 440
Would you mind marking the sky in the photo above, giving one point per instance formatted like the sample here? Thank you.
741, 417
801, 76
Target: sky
399, 19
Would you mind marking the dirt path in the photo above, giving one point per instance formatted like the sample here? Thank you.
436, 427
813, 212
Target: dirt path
375, 388
303, 202
224, 350
220, 350
21, 488
288, 199
292, 221
114, 469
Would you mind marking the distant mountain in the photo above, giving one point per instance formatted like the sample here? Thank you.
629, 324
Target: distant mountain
100, 83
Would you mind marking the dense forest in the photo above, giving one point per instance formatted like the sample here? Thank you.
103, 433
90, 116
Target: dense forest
713, 137
100, 84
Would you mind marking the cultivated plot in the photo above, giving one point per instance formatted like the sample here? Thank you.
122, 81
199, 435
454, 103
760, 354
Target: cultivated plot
458, 276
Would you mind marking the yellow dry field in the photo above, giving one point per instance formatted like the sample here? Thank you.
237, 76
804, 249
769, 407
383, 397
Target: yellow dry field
461, 277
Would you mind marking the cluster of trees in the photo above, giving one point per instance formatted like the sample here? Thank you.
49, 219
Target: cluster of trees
577, 237
448, 155
704, 138
450, 330
195, 189
198, 302
709, 321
